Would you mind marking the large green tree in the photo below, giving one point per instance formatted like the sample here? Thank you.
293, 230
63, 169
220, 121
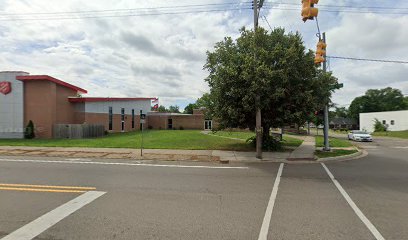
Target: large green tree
283, 74
204, 101
378, 100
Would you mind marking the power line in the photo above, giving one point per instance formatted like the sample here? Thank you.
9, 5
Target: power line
123, 9
337, 11
342, 6
171, 10
123, 15
369, 60
267, 22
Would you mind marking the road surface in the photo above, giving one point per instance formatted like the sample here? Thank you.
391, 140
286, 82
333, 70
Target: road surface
365, 198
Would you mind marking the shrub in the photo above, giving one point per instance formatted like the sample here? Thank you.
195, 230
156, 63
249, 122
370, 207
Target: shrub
181, 128
150, 127
29, 130
379, 127
106, 132
268, 144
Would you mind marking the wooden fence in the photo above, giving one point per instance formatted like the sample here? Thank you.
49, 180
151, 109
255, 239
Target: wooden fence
78, 130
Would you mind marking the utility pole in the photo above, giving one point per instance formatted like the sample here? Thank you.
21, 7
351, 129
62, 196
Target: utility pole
142, 120
326, 109
258, 122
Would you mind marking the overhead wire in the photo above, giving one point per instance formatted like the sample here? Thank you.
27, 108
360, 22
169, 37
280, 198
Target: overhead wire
369, 59
146, 11
182, 9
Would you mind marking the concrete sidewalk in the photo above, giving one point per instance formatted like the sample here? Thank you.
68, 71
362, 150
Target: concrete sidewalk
305, 151
148, 154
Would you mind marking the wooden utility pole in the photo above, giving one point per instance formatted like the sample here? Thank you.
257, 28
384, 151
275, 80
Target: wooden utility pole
258, 122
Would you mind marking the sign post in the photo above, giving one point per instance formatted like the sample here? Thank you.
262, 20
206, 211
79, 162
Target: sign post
142, 121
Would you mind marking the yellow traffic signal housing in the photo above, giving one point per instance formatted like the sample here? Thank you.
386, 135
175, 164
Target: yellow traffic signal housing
308, 9
320, 52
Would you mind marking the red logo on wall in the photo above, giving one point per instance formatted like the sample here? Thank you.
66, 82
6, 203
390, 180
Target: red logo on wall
5, 87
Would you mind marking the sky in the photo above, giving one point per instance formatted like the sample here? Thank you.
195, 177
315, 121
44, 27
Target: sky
157, 48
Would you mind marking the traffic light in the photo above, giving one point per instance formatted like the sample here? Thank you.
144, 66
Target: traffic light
319, 113
320, 52
308, 9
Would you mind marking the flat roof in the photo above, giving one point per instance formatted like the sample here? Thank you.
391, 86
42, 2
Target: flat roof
50, 79
104, 99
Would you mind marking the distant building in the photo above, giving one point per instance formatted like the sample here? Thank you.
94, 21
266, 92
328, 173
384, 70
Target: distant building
343, 123
394, 120
50, 103
197, 120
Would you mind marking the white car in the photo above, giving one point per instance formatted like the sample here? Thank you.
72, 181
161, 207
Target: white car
360, 136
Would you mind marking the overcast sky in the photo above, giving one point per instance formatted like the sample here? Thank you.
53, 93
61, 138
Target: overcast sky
152, 54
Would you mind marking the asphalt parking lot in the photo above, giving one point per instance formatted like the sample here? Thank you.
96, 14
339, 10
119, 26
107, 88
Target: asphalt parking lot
209, 201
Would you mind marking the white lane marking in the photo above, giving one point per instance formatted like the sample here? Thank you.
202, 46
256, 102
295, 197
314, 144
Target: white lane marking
359, 213
78, 159
120, 164
401, 147
39, 225
263, 234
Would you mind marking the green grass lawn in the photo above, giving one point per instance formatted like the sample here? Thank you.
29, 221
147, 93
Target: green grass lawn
334, 153
244, 135
153, 139
397, 134
334, 142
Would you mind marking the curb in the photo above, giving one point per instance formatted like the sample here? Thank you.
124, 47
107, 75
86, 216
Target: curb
360, 154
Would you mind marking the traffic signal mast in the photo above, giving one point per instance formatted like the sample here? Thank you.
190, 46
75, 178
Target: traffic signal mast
320, 52
308, 10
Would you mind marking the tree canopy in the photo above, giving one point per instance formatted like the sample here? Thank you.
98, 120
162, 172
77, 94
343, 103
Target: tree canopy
283, 74
204, 101
171, 109
378, 100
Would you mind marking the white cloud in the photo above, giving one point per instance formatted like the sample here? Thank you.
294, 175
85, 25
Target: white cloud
163, 55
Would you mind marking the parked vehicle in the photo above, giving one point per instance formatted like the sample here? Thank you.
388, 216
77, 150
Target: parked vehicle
360, 136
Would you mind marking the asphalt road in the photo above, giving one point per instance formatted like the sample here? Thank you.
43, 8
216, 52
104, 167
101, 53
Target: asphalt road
176, 200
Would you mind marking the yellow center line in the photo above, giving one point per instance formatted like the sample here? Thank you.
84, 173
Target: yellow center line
46, 186
41, 190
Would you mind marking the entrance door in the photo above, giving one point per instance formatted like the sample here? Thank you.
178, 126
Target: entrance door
207, 124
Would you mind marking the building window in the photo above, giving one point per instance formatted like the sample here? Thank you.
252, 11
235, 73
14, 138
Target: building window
133, 118
169, 123
392, 122
122, 118
384, 122
110, 118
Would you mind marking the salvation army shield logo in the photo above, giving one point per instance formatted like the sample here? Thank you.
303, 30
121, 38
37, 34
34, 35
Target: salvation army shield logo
5, 87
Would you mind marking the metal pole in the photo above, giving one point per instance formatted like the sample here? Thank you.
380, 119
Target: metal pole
141, 147
326, 110
258, 122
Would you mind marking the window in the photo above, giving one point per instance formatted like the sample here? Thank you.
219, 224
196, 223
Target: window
110, 118
384, 122
122, 114
133, 118
392, 122
169, 123
122, 118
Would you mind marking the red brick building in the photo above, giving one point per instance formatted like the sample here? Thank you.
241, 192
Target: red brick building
48, 101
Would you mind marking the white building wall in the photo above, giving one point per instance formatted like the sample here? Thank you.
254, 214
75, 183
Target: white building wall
400, 119
12, 107
103, 107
